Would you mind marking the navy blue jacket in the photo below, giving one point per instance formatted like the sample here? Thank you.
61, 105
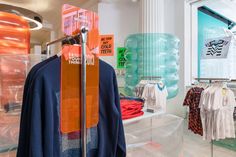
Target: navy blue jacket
110, 127
23, 143
42, 137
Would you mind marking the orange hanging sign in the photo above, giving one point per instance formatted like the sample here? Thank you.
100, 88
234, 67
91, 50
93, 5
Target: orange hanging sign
106, 45
70, 110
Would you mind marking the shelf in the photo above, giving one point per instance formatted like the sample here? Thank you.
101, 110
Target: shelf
144, 116
8, 148
9, 124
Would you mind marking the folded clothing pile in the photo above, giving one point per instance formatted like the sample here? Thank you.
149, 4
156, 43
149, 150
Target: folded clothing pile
131, 108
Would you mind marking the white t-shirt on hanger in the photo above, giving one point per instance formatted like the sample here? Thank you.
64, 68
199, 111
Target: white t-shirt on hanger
205, 113
224, 122
148, 95
161, 96
209, 98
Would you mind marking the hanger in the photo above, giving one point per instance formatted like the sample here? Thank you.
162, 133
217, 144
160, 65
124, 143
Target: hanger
59, 54
224, 85
229, 33
143, 82
200, 84
66, 41
159, 82
75, 42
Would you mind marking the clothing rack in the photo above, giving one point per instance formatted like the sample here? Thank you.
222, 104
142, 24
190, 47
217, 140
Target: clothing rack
80, 38
210, 81
151, 77
64, 40
213, 79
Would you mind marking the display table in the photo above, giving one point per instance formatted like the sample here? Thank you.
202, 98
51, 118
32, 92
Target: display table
154, 135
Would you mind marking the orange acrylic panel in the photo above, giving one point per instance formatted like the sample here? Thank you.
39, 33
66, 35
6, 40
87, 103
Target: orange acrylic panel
73, 19
14, 34
71, 89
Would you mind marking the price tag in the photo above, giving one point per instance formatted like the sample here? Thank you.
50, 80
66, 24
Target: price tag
121, 57
106, 45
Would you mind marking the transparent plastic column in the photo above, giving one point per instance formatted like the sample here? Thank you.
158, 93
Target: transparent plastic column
152, 54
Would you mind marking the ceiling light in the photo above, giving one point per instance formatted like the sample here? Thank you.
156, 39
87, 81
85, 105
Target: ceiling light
34, 19
37, 24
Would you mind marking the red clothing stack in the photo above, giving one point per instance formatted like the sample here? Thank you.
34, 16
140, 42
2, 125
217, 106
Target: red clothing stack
131, 108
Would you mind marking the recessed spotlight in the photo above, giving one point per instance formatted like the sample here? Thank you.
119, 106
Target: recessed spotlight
37, 25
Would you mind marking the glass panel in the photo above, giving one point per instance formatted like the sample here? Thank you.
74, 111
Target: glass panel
210, 27
13, 72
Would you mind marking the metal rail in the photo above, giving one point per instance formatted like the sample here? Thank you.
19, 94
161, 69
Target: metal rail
84, 32
83, 35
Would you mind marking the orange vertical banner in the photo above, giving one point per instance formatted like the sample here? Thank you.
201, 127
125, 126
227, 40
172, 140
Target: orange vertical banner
71, 89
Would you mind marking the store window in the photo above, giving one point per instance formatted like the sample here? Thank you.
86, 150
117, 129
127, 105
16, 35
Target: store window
216, 43
208, 25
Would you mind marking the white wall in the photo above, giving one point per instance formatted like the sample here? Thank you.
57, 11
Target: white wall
120, 19
174, 24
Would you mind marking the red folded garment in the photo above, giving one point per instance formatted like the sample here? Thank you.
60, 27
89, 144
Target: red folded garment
131, 109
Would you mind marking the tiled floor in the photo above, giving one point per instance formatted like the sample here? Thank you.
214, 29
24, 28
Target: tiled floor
194, 146
168, 143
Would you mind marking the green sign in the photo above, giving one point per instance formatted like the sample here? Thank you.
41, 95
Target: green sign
121, 57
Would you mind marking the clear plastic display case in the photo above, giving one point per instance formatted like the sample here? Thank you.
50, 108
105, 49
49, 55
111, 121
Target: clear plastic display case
155, 136
13, 72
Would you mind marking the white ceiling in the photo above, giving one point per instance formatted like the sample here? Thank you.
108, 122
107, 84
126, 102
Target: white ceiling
49, 9
51, 12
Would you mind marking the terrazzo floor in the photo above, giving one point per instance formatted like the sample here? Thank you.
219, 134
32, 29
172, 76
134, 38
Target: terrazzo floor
194, 146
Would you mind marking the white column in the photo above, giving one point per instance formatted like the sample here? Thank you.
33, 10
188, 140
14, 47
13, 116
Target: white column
152, 16
53, 36
37, 49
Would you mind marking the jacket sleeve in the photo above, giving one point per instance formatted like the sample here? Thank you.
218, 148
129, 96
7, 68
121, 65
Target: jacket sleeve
121, 147
24, 122
36, 143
